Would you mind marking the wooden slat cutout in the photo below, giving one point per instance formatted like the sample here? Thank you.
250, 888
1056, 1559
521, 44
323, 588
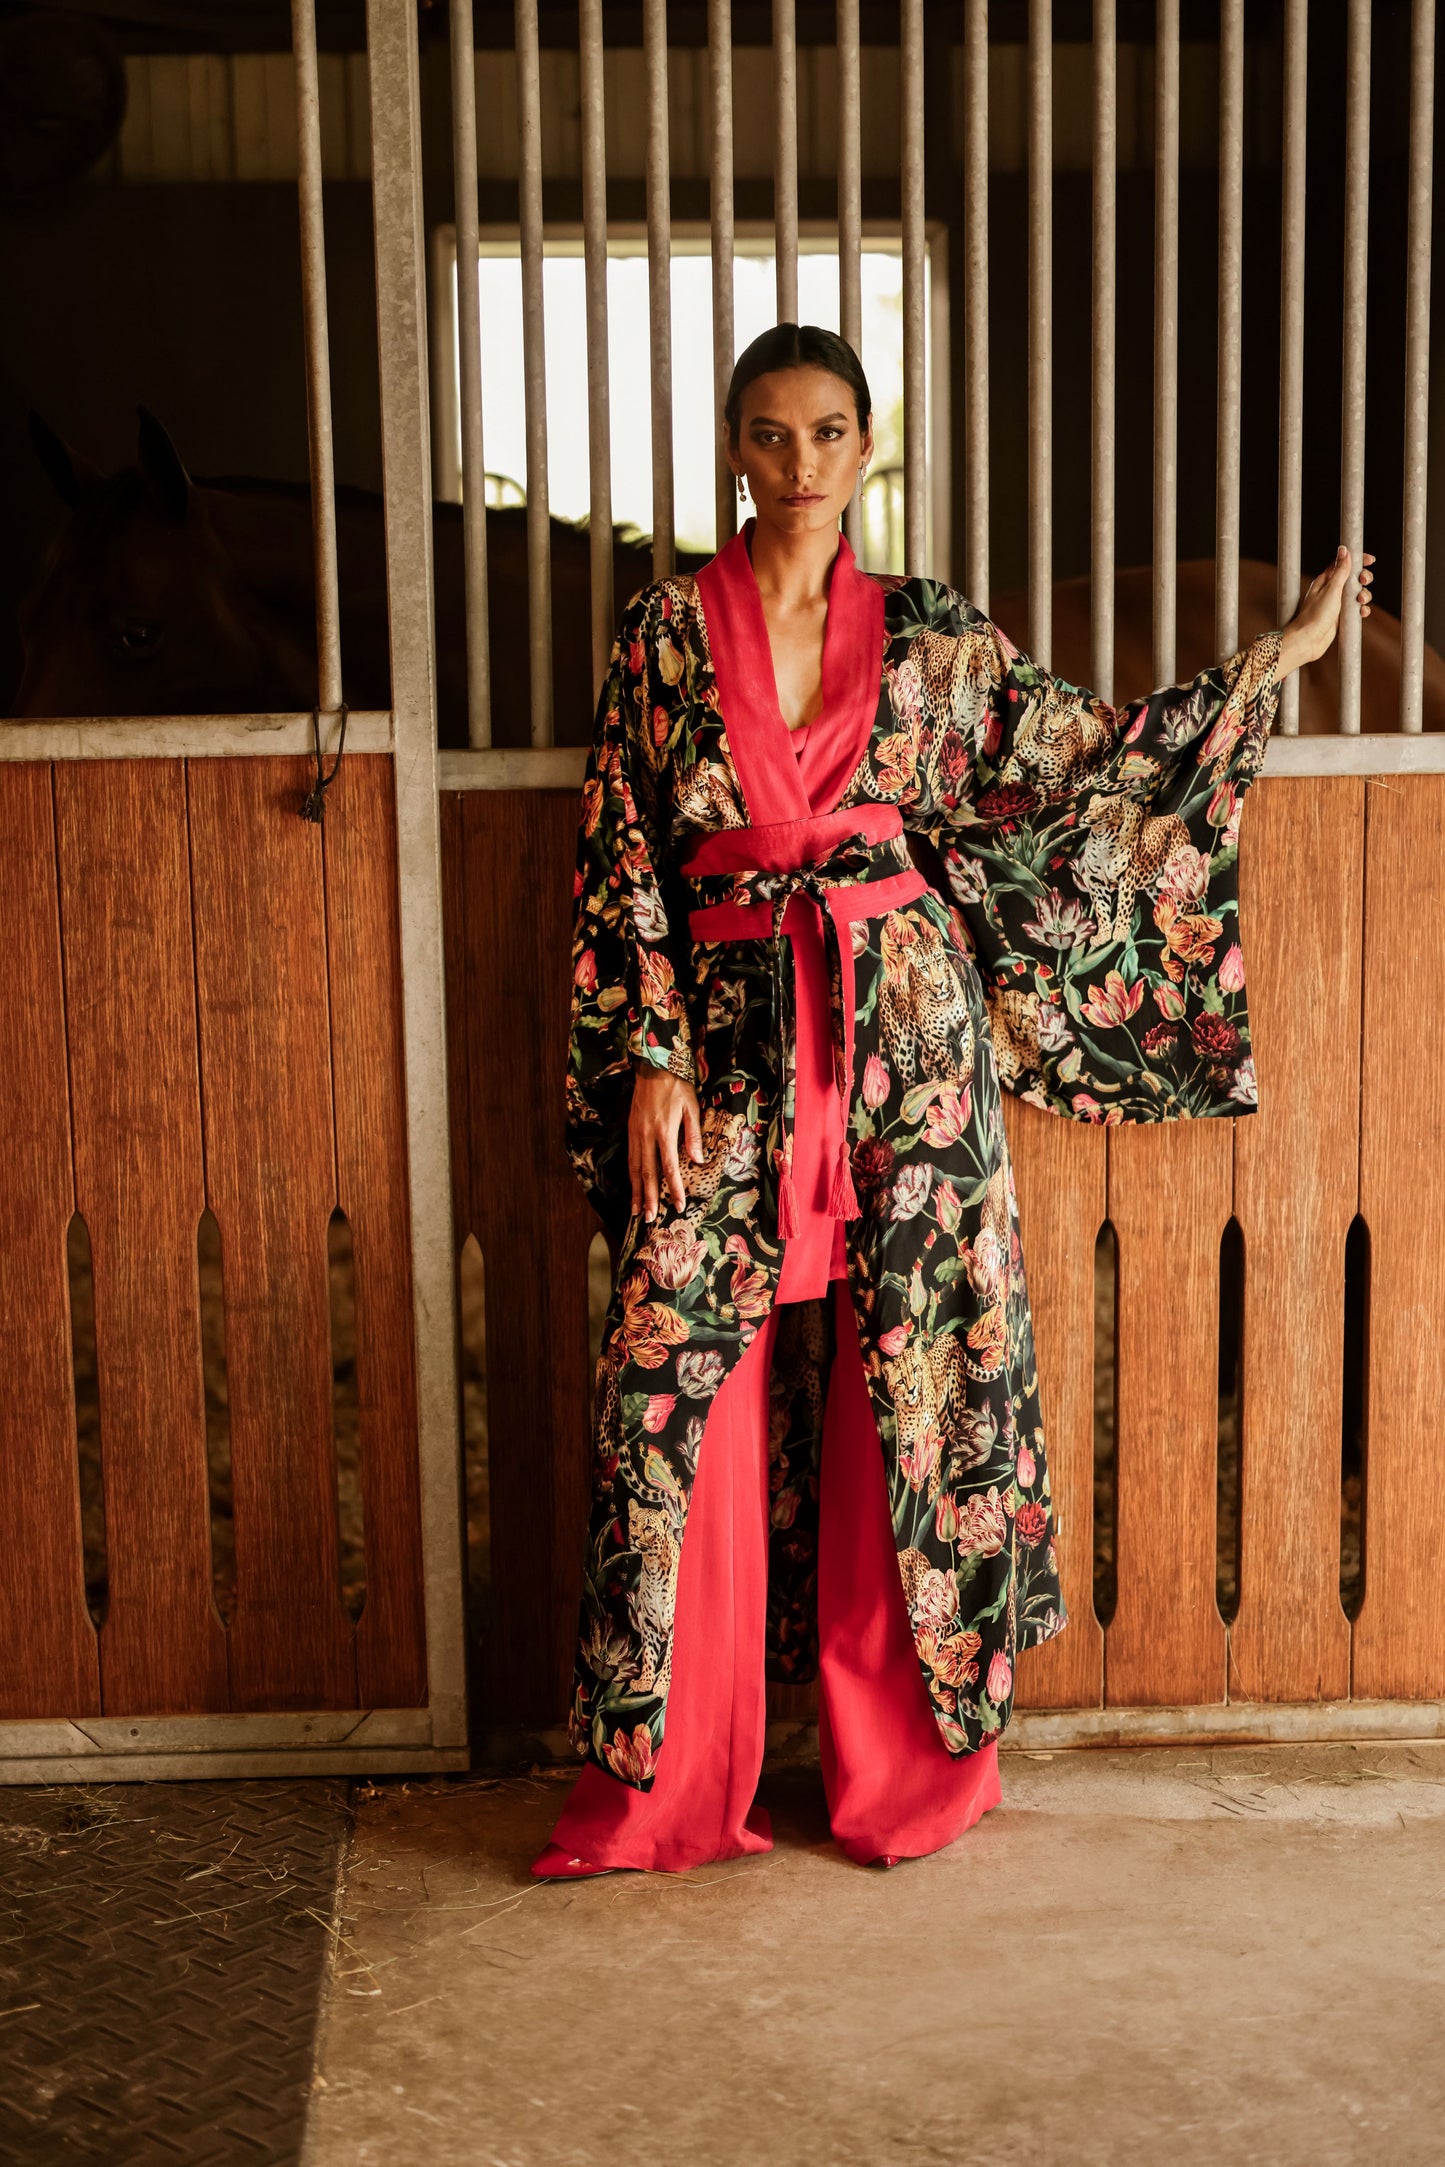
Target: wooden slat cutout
1399, 1638
534, 1228
131, 1000
368, 1077
1169, 1201
48, 1659
1059, 1172
1296, 1169
270, 1179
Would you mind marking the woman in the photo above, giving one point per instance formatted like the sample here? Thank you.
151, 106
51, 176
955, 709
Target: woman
784, 1101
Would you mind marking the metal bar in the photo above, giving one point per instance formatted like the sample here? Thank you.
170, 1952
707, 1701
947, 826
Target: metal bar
1230, 354
182, 737
469, 352
850, 213
399, 221
1417, 365
534, 370
1292, 338
785, 157
1103, 425
659, 280
915, 339
1041, 330
1352, 403
720, 205
1166, 337
318, 358
599, 419
975, 302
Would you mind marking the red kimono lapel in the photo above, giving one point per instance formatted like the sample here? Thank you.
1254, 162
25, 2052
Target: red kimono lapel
780, 782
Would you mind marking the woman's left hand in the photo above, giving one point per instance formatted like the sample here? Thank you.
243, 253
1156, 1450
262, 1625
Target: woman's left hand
1311, 631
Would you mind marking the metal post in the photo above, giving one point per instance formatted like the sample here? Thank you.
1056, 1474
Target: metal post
785, 158
534, 366
1292, 339
1166, 336
915, 341
1230, 347
850, 213
1041, 330
318, 358
720, 199
975, 303
1417, 366
599, 424
400, 226
659, 280
469, 354
1352, 404
1103, 422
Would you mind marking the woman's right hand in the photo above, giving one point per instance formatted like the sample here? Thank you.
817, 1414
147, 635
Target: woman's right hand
662, 1104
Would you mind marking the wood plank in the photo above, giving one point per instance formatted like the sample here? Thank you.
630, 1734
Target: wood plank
1060, 1176
1296, 1183
130, 981
260, 933
50, 1664
519, 852
459, 1036
1169, 1201
1399, 1638
364, 950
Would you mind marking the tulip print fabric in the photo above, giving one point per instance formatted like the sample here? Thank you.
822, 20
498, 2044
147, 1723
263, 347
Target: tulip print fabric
1087, 955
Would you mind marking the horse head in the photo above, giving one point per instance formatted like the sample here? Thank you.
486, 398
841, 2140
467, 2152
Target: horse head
145, 608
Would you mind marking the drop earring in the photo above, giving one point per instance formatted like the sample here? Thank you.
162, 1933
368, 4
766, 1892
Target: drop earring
742, 490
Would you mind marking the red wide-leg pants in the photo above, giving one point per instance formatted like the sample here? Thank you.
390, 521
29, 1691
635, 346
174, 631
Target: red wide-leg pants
891, 1783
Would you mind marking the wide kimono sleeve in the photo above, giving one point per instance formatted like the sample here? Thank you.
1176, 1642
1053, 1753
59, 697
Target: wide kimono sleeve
1092, 854
627, 1002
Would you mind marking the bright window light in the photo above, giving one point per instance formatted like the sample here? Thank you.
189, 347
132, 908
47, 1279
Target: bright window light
694, 424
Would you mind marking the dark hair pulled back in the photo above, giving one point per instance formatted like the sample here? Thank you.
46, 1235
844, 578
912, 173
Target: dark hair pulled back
796, 346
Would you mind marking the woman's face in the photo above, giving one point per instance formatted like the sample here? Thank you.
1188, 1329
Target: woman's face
799, 448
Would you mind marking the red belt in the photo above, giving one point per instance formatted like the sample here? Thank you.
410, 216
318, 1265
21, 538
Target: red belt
841, 864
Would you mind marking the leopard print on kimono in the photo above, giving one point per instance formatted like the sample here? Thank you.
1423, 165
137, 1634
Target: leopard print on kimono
707, 800
1014, 1020
1126, 850
926, 1383
1061, 744
921, 1005
955, 672
650, 1532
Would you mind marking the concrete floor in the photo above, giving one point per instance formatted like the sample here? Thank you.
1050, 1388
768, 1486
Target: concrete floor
1171, 1957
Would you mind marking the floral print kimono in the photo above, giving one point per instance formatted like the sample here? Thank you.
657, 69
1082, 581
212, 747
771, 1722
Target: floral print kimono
1086, 955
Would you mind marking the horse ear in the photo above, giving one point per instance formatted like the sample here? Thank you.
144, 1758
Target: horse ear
69, 474
160, 463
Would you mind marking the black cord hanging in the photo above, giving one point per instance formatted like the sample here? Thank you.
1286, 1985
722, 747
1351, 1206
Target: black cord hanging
313, 805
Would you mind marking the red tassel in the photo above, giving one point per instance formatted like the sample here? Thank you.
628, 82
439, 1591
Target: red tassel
842, 1197
787, 1207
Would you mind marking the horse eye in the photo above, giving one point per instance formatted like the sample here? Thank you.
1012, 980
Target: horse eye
136, 636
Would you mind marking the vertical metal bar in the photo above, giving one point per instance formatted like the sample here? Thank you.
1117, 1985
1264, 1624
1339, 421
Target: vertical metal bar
534, 370
1352, 415
850, 213
469, 353
1041, 330
915, 339
975, 300
1417, 365
1104, 421
785, 157
1229, 363
400, 227
720, 201
1292, 338
599, 424
318, 358
1166, 336
659, 279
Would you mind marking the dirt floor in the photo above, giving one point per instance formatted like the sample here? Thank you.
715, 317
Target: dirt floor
1187, 1957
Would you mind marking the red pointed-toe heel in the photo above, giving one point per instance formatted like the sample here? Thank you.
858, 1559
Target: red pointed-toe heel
886, 1858
554, 1864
